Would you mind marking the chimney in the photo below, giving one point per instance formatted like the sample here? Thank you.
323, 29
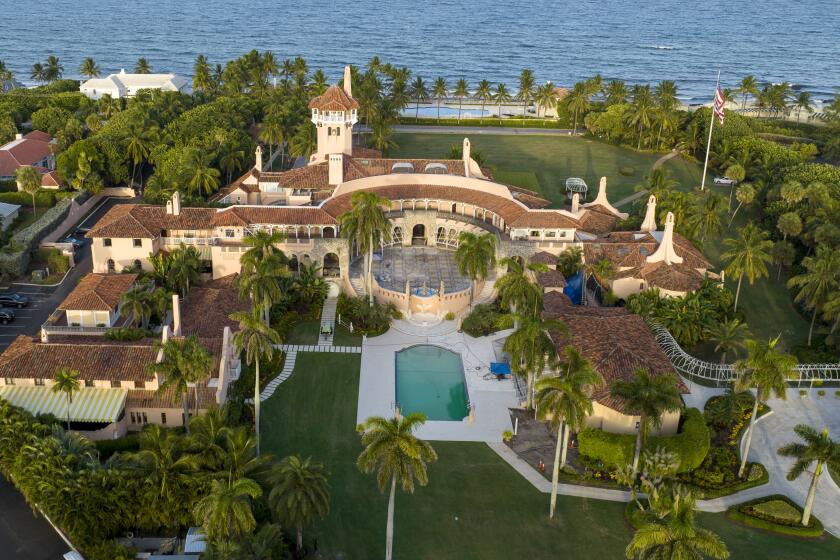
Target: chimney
665, 252
348, 82
649, 223
176, 203
575, 203
258, 165
18, 136
466, 154
336, 169
176, 315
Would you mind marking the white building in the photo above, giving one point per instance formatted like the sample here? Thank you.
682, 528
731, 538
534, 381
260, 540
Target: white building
127, 85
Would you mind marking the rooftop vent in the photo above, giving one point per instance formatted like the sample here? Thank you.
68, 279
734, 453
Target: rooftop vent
436, 168
402, 167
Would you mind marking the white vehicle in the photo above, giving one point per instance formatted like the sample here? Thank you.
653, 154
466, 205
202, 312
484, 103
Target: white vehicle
726, 181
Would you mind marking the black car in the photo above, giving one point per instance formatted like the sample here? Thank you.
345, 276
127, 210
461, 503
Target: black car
6, 316
12, 299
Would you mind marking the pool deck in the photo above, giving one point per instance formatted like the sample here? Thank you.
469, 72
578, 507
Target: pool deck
489, 397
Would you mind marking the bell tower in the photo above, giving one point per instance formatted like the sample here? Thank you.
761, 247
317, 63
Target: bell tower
334, 113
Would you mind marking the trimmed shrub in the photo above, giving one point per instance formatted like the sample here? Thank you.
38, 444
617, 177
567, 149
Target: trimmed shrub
691, 444
776, 514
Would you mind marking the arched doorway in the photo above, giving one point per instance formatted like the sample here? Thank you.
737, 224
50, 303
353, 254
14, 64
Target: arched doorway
418, 235
331, 268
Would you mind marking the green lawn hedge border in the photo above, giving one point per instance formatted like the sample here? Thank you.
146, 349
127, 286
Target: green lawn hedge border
691, 444
736, 513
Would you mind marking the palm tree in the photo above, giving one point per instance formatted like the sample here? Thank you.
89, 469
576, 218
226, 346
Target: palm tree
476, 257
501, 96
420, 93
802, 101
483, 93
515, 289
748, 86
676, 537
578, 100
747, 255
137, 306
526, 88
142, 66
819, 449
67, 382
648, 396
89, 68
461, 91
257, 340
730, 335
439, 92
182, 363
366, 226
300, 494
29, 181
531, 347
767, 370
226, 513
396, 455
820, 279
565, 398
201, 176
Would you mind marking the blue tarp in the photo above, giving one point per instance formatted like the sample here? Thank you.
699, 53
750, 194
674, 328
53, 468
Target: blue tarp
574, 288
500, 368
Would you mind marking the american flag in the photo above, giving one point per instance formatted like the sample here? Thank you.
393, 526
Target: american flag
719, 101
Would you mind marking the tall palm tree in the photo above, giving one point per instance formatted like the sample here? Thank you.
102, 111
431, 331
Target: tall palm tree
439, 92
30, 182
396, 455
462, 90
676, 537
820, 279
501, 96
300, 494
819, 449
730, 335
257, 340
648, 396
226, 513
531, 347
366, 226
526, 88
747, 255
748, 86
483, 93
420, 93
183, 363
767, 370
142, 66
578, 100
565, 398
137, 306
476, 257
89, 69
516, 291
67, 382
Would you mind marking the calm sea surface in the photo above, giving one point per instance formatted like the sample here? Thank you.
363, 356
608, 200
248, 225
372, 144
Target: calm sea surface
563, 41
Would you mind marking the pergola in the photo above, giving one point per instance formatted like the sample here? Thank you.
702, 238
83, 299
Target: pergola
576, 185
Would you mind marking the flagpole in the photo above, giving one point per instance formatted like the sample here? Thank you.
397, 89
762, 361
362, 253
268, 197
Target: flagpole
711, 127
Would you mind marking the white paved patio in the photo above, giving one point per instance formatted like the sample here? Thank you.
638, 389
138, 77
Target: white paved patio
490, 398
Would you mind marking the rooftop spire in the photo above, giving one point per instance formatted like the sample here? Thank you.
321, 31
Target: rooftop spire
665, 252
649, 223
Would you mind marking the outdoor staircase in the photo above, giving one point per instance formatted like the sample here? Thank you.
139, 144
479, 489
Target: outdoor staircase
328, 318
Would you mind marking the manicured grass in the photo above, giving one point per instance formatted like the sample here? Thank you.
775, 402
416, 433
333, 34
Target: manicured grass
475, 506
552, 159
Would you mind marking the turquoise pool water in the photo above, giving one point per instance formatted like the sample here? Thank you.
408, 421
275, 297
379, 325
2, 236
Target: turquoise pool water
430, 379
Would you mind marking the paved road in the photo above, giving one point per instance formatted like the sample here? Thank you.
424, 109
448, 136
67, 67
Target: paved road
22, 535
481, 130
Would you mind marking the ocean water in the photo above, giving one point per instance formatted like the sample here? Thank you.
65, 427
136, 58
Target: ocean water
640, 41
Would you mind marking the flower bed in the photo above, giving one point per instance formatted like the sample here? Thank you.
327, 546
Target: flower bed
777, 514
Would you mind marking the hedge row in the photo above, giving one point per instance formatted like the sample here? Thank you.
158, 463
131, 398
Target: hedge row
738, 513
691, 444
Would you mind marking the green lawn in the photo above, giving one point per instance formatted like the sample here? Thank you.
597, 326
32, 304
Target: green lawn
543, 163
475, 506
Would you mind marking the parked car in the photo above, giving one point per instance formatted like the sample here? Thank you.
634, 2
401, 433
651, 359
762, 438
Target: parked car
14, 299
6, 316
725, 181
77, 243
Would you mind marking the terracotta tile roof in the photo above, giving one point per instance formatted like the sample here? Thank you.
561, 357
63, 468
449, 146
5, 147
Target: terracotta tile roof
551, 279
146, 221
206, 309
98, 292
334, 99
544, 219
287, 215
544, 257
673, 277
615, 342
25, 358
506, 208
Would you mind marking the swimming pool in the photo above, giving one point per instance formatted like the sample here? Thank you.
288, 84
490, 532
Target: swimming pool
430, 379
